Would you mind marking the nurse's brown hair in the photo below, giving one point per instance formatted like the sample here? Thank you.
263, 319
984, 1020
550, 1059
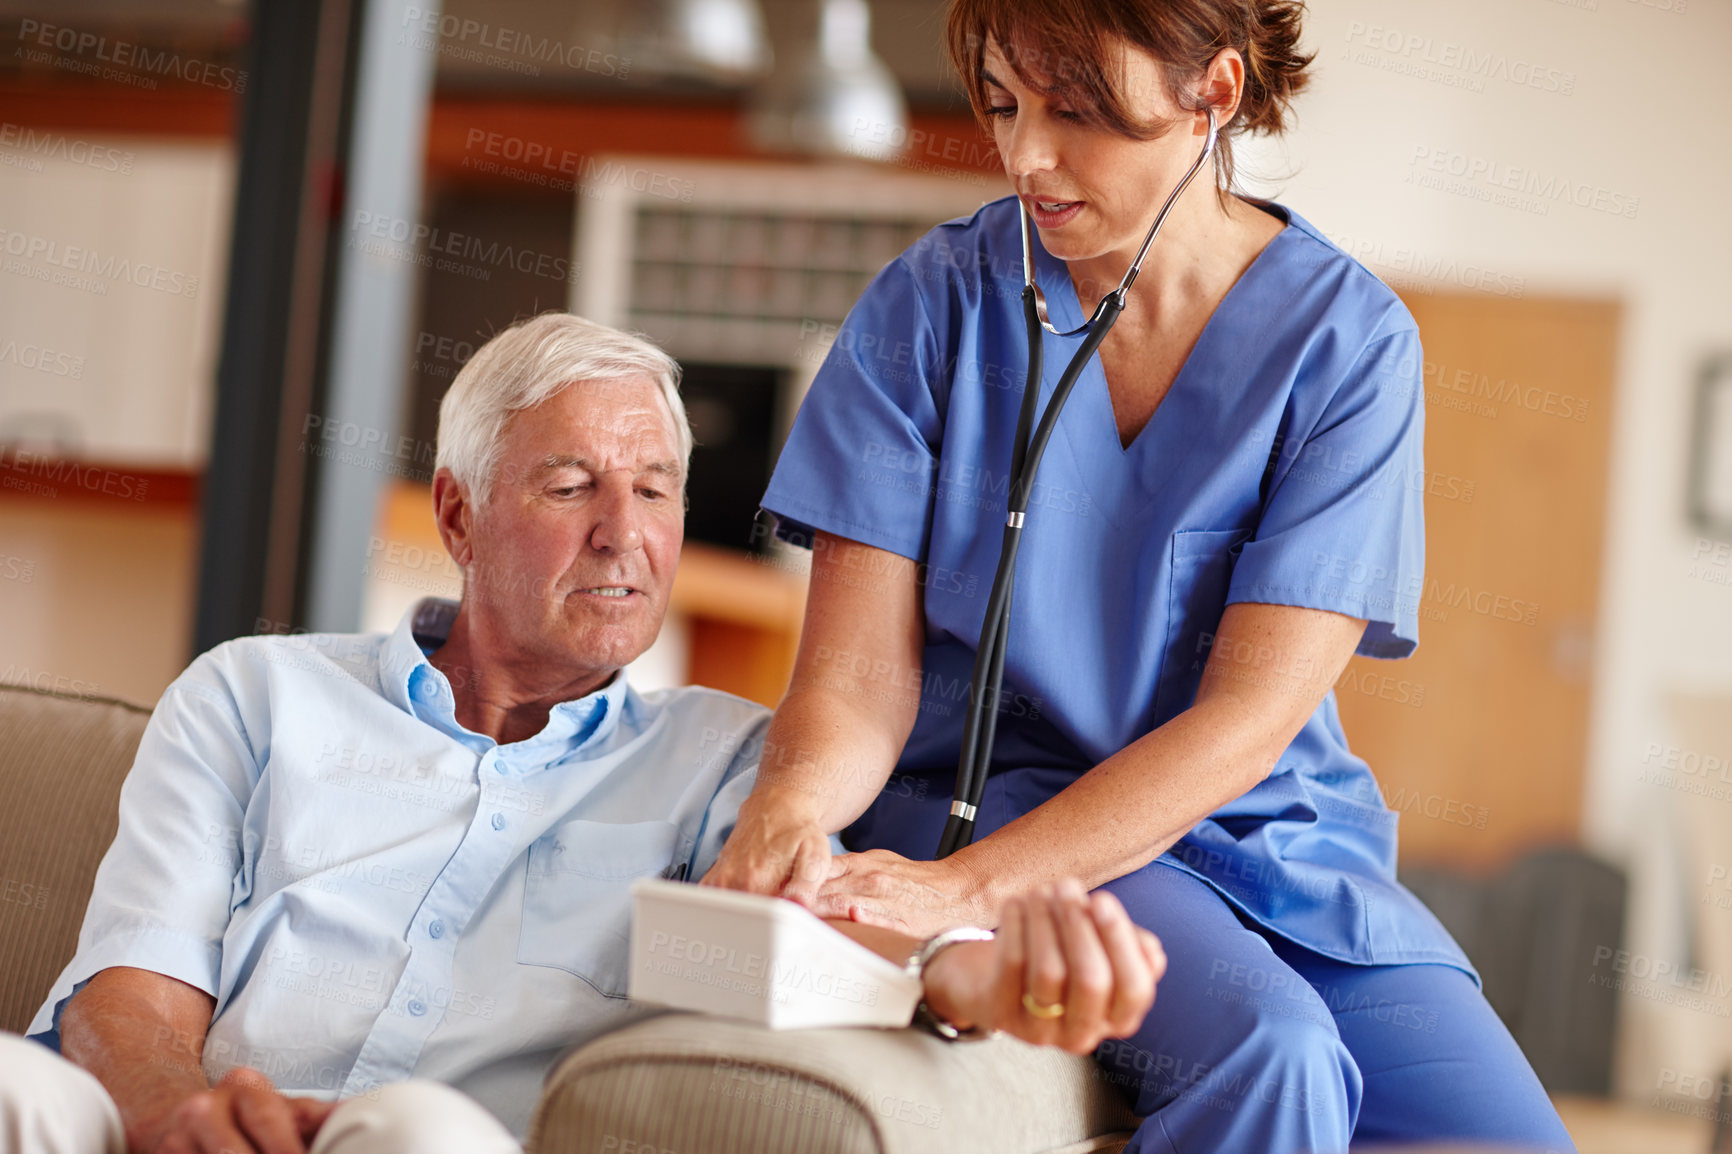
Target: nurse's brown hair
1065, 48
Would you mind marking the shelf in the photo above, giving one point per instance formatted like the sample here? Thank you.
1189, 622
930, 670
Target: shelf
38, 476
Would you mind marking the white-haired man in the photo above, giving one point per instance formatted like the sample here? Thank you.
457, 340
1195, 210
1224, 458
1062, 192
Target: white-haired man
366, 888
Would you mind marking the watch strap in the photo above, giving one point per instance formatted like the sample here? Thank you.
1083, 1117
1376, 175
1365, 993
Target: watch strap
916, 966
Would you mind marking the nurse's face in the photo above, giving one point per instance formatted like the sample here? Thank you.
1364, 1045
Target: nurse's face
1091, 191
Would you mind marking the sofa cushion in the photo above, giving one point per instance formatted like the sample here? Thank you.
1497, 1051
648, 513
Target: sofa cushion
702, 1085
62, 760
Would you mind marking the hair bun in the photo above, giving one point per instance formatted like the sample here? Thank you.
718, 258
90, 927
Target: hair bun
1275, 69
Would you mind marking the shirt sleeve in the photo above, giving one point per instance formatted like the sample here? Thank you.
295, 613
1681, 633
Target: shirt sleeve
744, 737
1343, 528
723, 812
162, 892
861, 459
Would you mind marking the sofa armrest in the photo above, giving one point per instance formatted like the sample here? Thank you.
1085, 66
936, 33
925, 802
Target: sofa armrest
694, 1084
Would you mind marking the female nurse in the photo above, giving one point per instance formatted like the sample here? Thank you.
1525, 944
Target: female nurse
1226, 513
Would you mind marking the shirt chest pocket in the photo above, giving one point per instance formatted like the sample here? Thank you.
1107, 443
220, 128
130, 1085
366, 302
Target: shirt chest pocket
1196, 596
576, 896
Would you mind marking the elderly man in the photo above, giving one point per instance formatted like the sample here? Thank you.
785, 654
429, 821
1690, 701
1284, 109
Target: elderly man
390, 871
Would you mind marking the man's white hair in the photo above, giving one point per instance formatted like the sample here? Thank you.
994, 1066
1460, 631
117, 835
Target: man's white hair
529, 364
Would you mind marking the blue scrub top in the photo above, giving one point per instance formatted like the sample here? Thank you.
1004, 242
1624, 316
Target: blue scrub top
1283, 466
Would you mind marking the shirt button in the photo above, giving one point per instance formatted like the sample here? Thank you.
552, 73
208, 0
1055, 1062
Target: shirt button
417, 1008
498, 821
436, 930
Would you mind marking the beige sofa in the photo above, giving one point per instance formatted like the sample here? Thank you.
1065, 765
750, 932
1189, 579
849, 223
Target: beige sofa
682, 1083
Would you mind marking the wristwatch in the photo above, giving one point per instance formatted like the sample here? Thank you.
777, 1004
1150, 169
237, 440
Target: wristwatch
915, 967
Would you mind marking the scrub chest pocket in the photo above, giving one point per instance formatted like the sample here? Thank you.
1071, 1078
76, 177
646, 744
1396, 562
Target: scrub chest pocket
577, 900
1202, 570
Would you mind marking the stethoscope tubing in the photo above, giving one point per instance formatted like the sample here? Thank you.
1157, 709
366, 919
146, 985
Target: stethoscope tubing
986, 683
980, 726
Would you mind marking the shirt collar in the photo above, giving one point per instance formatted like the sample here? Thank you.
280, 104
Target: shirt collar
410, 682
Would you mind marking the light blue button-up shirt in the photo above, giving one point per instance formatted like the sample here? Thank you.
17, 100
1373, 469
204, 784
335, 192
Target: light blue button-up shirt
372, 892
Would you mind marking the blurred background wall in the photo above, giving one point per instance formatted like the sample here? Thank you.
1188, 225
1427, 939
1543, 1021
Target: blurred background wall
1540, 179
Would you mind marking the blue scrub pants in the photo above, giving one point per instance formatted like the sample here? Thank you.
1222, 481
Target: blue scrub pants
1257, 1045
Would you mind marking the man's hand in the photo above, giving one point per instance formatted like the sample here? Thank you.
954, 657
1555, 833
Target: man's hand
142, 1035
242, 1114
777, 848
1063, 948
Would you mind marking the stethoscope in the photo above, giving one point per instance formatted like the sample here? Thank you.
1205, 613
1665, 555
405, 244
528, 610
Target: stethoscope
981, 723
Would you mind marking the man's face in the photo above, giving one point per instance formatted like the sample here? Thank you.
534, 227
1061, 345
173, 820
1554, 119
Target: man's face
573, 554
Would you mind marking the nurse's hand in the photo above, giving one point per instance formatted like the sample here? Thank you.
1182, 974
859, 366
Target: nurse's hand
1075, 955
774, 850
918, 898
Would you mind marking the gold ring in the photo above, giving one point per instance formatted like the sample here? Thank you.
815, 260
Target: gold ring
1056, 1010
